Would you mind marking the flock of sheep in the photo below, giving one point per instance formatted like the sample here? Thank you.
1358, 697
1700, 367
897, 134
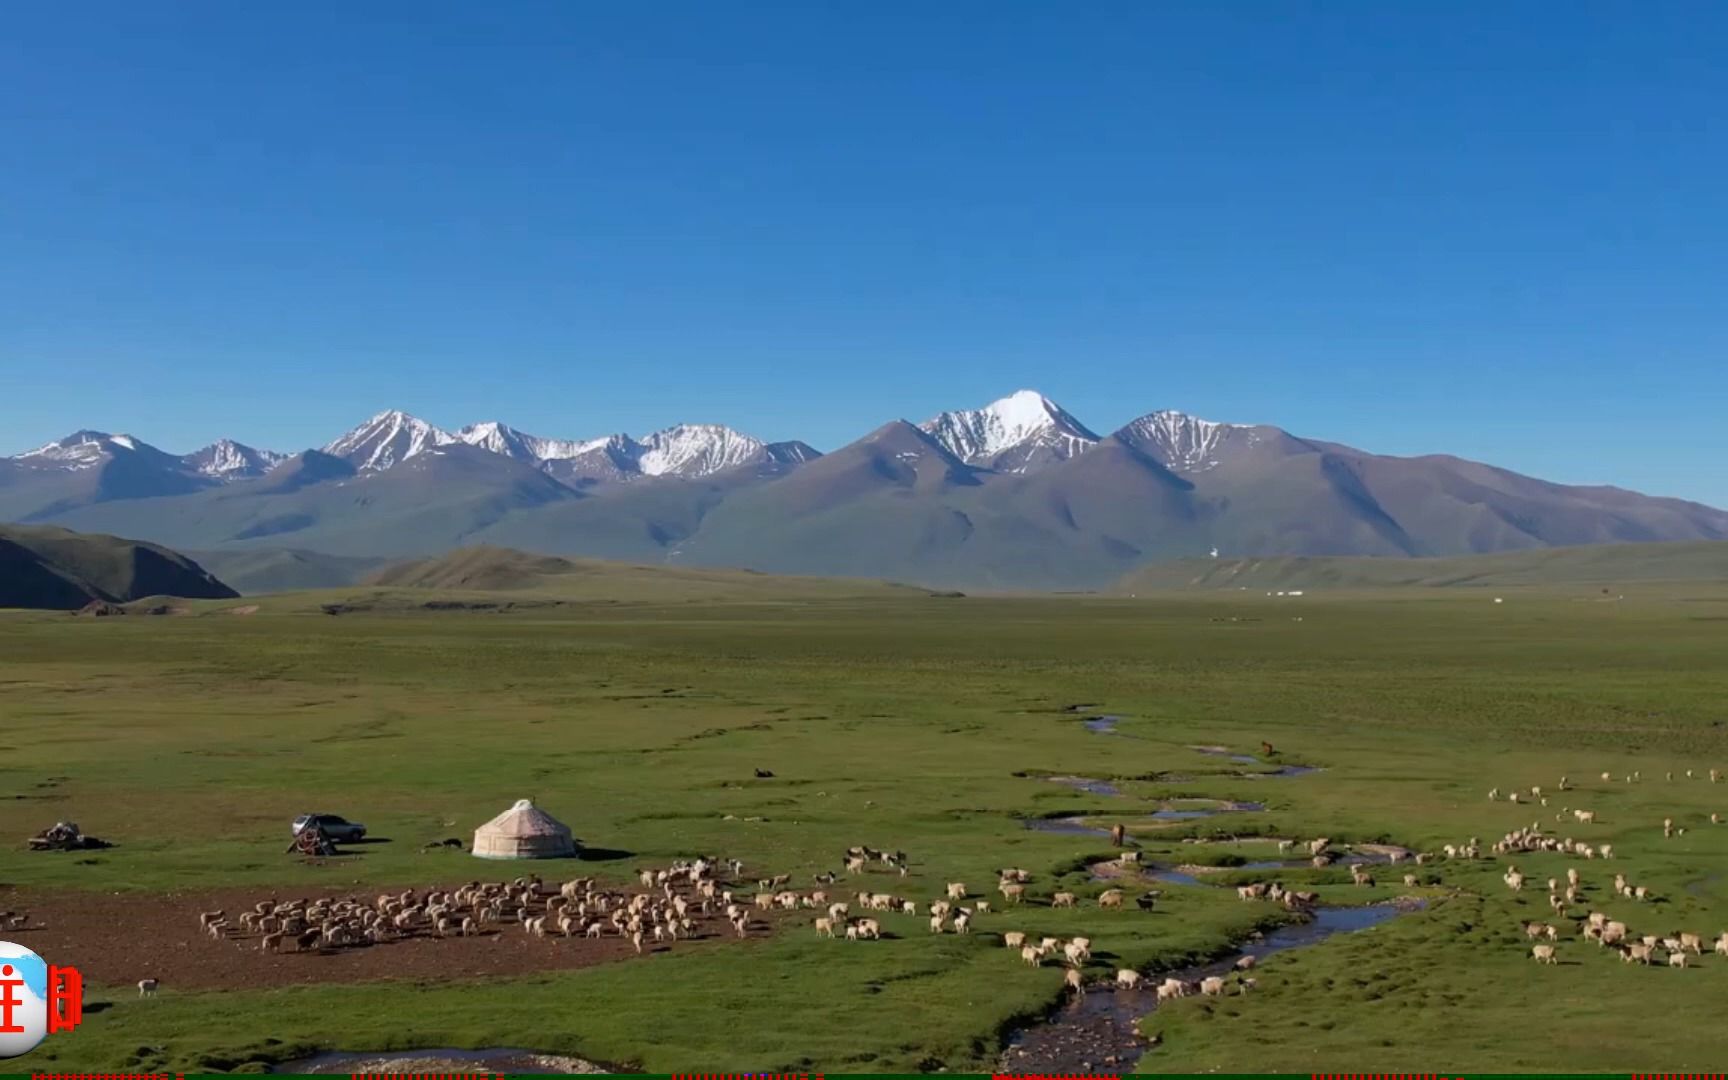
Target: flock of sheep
670, 906
956, 910
1596, 926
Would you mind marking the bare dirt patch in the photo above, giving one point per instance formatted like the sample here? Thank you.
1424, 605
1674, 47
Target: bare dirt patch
116, 939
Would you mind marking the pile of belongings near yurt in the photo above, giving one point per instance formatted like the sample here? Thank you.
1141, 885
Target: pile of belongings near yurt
65, 836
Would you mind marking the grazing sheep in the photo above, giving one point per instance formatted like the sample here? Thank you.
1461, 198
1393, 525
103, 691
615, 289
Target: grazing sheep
982, 907
1722, 944
1127, 979
962, 923
1693, 942
1212, 986
1543, 954
1243, 963
956, 890
1110, 898
935, 924
1063, 899
1075, 982
271, 942
1410, 881
1012, 891
147, 987
825, 928
1032, 956
869, 928
1014, 939
1677, 959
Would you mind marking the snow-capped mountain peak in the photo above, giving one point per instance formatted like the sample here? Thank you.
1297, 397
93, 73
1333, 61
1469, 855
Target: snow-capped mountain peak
387, 439
696, 450
84, 449
226, 459
1183, 443
503, 439
1022, 432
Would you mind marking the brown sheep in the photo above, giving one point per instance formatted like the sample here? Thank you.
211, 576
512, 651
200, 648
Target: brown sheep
1075, 982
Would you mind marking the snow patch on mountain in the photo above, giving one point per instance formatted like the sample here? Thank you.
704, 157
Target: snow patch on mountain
1183, 443
387, 439
226, 459
83, 450
1020, 433
503, 439
696, 450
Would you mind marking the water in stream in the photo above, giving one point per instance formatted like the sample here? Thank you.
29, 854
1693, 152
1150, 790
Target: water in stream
1077, 824
1250, 759
1097, 1033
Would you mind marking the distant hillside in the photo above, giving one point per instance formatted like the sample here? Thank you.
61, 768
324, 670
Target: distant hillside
271, 570
46, 567
1594, 565
496, 569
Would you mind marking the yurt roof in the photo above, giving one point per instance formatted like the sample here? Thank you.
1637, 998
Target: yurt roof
525, 819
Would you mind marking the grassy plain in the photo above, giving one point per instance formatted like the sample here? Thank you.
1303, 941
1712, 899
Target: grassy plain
902, 721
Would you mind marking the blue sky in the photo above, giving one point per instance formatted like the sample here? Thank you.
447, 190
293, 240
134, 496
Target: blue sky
1493, 229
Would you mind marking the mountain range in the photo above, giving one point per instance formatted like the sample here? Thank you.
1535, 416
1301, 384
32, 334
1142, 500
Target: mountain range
1019, 493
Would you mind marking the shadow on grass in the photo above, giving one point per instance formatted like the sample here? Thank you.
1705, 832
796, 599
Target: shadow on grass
601, 854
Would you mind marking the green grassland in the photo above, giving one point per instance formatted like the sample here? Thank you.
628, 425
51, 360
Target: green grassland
902, 720
1605, 565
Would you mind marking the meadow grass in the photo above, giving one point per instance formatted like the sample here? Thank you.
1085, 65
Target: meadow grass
902, 722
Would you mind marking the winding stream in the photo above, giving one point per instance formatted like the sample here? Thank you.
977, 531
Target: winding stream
1099, 1032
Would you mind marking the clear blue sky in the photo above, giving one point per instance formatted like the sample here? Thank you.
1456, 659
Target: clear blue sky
1494, 229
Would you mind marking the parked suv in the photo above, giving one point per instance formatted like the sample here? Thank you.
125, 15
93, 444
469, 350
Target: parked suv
338, 829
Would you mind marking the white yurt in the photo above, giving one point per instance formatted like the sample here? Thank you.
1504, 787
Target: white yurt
524, 832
